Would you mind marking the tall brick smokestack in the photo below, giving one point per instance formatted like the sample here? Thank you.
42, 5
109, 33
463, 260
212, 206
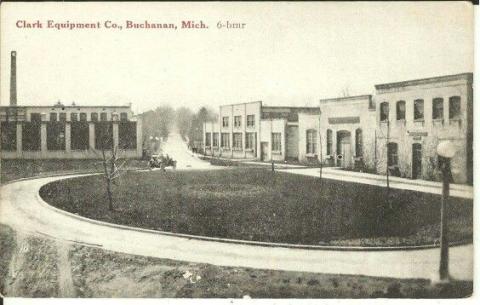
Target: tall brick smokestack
13, 79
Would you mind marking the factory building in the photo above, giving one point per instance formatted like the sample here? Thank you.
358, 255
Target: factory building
66, 132
254, 131
414, 116
396, 130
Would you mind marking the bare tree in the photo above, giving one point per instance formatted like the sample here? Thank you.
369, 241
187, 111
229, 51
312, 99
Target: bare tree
111, 163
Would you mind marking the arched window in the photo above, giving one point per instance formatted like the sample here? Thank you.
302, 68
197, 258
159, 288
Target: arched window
311, 141
401, 110
329, 141
358, 143
384, 109
392, 153
437, 108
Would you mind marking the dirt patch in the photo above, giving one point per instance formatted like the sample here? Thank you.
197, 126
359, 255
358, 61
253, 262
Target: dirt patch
101, 273
32, 268
7, 247
65, 282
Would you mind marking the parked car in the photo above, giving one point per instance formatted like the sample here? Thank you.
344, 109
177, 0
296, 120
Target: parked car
160, 161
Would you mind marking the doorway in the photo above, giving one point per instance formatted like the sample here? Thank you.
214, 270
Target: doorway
416, 161
264, 151
292, 142
344, 149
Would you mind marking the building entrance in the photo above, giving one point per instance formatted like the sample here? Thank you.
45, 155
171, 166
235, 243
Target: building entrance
344, 149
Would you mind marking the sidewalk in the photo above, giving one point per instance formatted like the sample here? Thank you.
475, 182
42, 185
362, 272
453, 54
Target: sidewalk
335, 173
456, 190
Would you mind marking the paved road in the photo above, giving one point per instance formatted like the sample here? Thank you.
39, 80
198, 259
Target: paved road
22, 209
178, 150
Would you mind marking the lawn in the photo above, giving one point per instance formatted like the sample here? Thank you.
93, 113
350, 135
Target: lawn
256, 204
16, 169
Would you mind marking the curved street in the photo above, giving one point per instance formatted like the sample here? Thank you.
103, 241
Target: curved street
22, 209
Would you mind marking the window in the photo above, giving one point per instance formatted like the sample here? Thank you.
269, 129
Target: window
237, 140
94, 117
53, 117
9, 136
454, 112
36, 118
384, 109
276, 141
123, 116
225, 140
250, 140
311, 141
437, 108
56, 136
329, 141
359, 141
103, 135
63, 117
83, 117
225, 121
418, 113
401, 110
103, 116
237, 121
80, 134
73, 117
208, 139
127, 135
250, 120
31, 139
215, 139
392, 152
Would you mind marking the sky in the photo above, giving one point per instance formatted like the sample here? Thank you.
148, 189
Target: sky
287, 53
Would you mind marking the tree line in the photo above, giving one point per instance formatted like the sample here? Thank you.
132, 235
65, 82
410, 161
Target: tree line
160, 122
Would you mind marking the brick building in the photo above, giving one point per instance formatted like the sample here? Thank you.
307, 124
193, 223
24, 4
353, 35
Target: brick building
66, 132
254, 131
414, 116
397, 129
348, 131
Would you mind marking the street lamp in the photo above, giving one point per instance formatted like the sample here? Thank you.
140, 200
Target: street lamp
445, 150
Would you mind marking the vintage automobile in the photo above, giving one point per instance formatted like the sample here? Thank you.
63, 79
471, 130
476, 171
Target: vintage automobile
160, 161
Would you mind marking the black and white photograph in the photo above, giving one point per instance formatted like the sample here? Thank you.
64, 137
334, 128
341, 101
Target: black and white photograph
237, 150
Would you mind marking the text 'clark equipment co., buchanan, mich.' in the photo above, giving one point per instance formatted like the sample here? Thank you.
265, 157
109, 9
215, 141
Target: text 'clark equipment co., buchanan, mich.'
126, 24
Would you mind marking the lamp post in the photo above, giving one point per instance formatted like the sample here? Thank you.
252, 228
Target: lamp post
445, 150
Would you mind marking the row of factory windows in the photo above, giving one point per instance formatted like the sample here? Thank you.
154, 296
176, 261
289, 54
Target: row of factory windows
454, 109
82, 116
75, 117
79, 139
237, 121
211, 139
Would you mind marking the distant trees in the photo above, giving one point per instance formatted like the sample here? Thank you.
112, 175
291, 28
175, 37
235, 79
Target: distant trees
195, 134
161, 121
158, 122
184, 118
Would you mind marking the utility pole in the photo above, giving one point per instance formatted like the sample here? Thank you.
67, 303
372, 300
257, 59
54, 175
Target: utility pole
320, 146
445, 150
388, 169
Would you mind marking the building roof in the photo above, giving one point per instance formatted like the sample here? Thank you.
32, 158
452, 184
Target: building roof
346, 98
423, 81
65, 106
289, 113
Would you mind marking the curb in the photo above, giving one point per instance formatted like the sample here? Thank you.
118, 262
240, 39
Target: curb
234, 241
